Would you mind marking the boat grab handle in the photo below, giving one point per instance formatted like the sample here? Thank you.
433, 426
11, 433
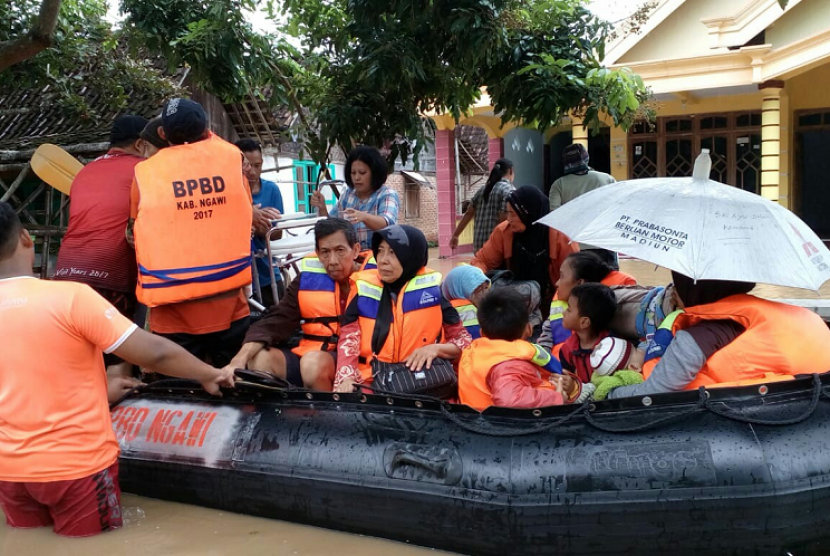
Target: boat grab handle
441, 465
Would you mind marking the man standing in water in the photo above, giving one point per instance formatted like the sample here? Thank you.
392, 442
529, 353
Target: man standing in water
58, 452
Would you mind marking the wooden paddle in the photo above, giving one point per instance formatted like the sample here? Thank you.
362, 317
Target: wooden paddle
55, 166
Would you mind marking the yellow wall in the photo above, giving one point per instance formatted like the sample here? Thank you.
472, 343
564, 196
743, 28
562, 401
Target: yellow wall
803, 20
676, 37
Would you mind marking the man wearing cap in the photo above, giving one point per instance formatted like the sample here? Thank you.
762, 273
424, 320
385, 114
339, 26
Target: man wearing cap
94, 250
577, 180
193, 210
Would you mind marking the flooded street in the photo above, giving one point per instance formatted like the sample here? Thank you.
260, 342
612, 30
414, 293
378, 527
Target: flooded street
182, 530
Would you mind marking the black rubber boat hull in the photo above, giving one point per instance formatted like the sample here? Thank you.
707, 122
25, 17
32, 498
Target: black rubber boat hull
702, 483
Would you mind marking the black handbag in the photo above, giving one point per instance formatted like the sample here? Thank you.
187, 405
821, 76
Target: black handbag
439, 381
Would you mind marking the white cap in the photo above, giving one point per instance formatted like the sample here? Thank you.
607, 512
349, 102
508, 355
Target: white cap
610, 355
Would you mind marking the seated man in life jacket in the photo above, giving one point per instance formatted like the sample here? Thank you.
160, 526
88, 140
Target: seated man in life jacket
726, 337
464, 287
502, 368
313, 301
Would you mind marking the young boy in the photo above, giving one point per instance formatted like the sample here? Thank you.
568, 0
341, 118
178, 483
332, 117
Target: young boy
502, 368
590, 310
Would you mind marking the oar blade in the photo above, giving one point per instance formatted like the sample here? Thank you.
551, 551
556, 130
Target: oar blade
55, 166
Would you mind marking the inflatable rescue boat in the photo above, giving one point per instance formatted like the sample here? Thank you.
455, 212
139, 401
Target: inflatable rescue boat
725, 471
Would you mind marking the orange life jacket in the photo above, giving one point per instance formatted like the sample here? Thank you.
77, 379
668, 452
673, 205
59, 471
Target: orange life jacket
779, 341
319, 301
482, 355
193, 228
417, 319
469, 316
368, 260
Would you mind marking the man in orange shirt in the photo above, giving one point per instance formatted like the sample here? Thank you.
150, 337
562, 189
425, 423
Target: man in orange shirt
191, 204
58, 452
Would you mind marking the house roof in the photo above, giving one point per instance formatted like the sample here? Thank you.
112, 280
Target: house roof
31, 117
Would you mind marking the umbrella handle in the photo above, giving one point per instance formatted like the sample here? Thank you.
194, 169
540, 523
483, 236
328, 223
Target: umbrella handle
703, 166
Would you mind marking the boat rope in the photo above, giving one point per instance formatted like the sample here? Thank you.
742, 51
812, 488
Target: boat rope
730, 413
703, 403
490, 430
699, 405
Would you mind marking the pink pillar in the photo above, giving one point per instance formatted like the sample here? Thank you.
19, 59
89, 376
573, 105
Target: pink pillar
496, 145
445, 184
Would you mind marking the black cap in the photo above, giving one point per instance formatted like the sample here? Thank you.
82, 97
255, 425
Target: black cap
126, 129
183, 120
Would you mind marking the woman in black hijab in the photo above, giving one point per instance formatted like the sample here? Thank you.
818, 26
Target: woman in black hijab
531, 251
398, 313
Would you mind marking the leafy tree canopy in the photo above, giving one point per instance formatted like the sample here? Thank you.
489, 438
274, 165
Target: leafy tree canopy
81, 59
365, 71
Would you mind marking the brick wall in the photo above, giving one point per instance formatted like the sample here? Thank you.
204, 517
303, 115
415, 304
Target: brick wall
427, 219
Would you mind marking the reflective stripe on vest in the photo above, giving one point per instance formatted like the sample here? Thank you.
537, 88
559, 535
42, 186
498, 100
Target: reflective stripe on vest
369, 262
319, 301
778, 339
468, 314
558, 331
482, 355
658, 344
417, 318
193, 227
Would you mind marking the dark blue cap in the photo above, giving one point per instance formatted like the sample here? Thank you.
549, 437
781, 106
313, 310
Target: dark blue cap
183, 120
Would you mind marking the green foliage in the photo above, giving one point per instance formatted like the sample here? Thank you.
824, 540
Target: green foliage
378, 65
366, 71
84, 61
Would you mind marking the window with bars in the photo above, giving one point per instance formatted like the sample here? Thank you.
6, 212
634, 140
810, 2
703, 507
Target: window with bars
669, 147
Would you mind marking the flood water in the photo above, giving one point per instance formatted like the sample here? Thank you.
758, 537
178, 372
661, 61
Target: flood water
182, 530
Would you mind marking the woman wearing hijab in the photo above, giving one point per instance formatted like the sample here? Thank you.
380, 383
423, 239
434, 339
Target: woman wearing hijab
531, 251
397, 313
726, 337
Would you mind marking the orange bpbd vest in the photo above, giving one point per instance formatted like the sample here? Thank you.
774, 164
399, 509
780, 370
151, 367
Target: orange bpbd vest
482, 355
779, 341
319, 301
193, 228
417, 319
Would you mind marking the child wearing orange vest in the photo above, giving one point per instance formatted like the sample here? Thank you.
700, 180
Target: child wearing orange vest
502, 368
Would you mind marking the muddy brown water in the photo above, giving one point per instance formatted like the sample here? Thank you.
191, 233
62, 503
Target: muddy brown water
157, 528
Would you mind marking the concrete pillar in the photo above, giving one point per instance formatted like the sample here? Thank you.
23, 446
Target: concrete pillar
771, 139
496, 145
445, 186
579, 133
619, 153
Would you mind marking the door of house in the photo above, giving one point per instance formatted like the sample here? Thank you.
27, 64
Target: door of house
305, 180
815, 174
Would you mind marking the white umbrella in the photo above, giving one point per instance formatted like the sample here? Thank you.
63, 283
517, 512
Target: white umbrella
700, 228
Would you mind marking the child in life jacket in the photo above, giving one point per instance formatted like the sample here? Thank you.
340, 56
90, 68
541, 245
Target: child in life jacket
502, 368
591, 308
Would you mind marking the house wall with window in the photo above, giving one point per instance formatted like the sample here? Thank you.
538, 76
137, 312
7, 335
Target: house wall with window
419, 203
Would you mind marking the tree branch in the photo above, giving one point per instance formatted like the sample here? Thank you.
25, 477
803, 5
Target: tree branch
38, 39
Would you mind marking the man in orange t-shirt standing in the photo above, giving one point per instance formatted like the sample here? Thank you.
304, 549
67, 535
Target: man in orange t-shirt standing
193, 212
58, 452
